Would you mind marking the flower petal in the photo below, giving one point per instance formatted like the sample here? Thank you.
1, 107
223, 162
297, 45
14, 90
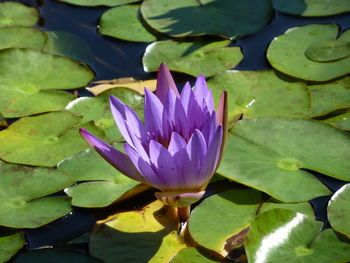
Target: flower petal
165, 82
209, 127
153, 111
176, 143
187, 96
196, 149
222, 118
200, 90
117, 159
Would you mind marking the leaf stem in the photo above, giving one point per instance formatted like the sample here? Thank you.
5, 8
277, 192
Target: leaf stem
183, 213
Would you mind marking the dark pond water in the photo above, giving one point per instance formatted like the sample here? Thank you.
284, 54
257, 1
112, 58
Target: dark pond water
111, 58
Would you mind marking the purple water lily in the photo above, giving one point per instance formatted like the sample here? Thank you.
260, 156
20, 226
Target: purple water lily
178, 148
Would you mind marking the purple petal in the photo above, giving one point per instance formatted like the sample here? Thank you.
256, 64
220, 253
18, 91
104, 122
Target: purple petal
176, 143
222, 118
117, 159
196, 149
200, 90
208, 101
153, 111
186, 96
188, 173
181, 120
209, 127
165, 82
169, 112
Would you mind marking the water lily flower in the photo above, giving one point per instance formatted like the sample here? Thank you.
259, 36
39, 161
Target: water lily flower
178, 147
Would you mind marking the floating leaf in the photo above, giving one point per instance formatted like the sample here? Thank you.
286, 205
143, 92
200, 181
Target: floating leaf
329, 97
292, 237
10, 244
43, 140
21, 37
28, 76
286, 53
97, 109
224, 230
54, 256
339, 211
107, 184
341, 121
311, 7
268, 154
325, 51
207, 17
22, 191
192, 255
125, 22
147, 235
260, 93
17, 14
303, 207
193, 58
99, 2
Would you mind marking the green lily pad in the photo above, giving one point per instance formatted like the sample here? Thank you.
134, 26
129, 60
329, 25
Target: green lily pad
193, 58
17, 14
268, 154
303, 207
260, 93
125, 22
147, 235
22, 37
99, 2
27, 77
325, 51
192, 255
207, 17
311, 7
225, 229
329, 97
97, 109
292, 237
54, 256
107, 184
23, 204
286, 53
10, 244
341, 121
339, 211
44, 140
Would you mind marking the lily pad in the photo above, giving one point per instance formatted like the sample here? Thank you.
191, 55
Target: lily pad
107, 184
303, 207
22, 196
44, 140
329, 97
260, 93
99, 2
225, 229
311, 7
325, 51
193, 58
339, 211
147, 235
54, 256
27, 77
125, 22
293, 237
97, 109
341, 121
269, 153
192, 255
17, 14
10, 244
207, 17
22, 37
286, 53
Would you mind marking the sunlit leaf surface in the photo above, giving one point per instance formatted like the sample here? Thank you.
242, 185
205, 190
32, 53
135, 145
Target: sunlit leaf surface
10, 243
22, 37
17, 14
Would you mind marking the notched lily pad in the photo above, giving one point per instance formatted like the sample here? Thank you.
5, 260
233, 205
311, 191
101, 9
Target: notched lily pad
10, 243
325, 51
293, 237
207, 17
339, 211
21, 37
125, 22
269, 153
106, 185
193, 58
341, 121
99, 2
22, 196
286, 53
17, 14
260, 93
147, 235
224, 230
44, 140
29, 80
